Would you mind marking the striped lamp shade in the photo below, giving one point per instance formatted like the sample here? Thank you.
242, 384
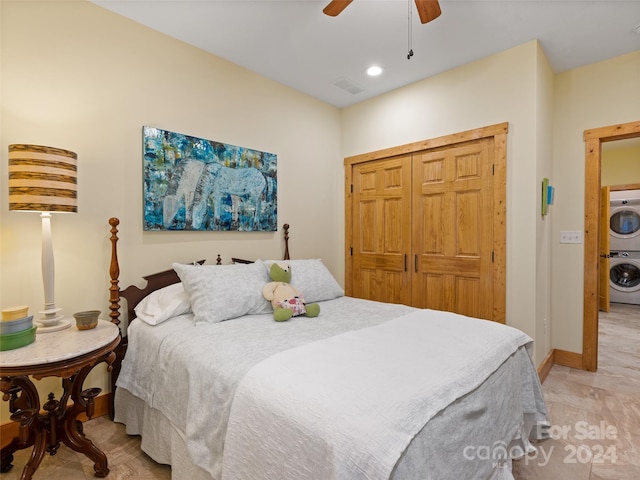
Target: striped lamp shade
42, 179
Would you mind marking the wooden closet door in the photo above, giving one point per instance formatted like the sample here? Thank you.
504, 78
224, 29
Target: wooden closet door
453, 229
382, 230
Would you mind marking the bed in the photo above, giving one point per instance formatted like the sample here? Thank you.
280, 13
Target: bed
367, 390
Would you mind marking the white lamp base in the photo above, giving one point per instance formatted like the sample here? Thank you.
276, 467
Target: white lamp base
61, 325
50, 316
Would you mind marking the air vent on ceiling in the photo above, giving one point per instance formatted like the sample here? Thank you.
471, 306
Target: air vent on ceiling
348, 85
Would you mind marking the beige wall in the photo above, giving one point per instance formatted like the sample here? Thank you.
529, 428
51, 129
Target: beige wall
513, 86
79, 77
620, 166
598, 95
544, 163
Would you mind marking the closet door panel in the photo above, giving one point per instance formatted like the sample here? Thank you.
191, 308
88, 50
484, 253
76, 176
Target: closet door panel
432, 292
467, 295
432, 223
452, 233
381, 230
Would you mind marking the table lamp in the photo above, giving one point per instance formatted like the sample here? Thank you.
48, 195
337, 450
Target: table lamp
44, 179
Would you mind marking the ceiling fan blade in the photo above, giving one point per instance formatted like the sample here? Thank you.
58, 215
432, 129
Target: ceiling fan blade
335, 7
428, 10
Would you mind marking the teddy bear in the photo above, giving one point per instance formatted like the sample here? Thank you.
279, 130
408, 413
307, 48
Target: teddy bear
286, 300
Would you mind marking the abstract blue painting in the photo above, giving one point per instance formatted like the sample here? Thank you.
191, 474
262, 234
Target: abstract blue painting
196, 184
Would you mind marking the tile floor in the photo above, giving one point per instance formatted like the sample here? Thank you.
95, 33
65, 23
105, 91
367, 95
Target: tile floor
126, 460
595, 418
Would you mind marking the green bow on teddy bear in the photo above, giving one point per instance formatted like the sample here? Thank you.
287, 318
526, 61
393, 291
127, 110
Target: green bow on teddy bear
286, 300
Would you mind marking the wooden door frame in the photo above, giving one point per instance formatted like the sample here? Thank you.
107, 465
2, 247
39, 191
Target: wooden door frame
593, 157
604, 248
499, 133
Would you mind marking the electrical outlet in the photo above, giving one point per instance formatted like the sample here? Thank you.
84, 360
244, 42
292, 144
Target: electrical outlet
571, 236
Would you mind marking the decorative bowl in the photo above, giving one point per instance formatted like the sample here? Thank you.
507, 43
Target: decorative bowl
14, 313
12, 341
87, 320
15, 326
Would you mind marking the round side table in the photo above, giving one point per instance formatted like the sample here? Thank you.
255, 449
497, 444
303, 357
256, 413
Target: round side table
69, 354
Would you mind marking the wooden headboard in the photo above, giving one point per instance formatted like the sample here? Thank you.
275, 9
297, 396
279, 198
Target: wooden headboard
133, 295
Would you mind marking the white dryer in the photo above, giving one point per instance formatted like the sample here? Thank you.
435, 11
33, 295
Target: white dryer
624, 220
624, 277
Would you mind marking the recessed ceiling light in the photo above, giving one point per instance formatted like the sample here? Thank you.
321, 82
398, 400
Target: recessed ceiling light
374, 71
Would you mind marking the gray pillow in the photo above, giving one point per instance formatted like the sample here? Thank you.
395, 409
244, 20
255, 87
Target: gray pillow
223, 292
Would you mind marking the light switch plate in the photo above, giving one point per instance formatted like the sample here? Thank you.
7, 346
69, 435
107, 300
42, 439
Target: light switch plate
571, 236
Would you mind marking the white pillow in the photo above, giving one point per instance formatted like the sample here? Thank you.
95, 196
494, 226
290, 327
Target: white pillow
163, 304
312, 278
223, 292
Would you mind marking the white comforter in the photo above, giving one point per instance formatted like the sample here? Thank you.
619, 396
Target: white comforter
347, 407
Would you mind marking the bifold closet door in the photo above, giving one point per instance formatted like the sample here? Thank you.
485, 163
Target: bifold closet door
382, 230
453, 229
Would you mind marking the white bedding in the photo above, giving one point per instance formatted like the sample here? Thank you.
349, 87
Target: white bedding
188, 376
348, 406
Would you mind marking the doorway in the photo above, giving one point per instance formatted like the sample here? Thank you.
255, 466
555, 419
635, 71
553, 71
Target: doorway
593, 160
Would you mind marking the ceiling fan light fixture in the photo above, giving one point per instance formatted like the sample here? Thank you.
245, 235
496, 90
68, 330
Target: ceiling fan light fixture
374, 70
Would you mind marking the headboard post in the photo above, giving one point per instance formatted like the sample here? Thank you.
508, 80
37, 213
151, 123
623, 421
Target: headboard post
286, 241
114, 273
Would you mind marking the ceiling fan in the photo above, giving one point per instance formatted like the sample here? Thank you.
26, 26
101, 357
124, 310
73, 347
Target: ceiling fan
427, 9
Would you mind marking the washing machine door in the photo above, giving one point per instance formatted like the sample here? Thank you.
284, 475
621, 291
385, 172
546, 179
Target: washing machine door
625, 275
624, 225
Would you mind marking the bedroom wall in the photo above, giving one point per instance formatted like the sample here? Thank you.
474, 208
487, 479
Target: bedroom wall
544, 150
79, 77
513, 86
598, 95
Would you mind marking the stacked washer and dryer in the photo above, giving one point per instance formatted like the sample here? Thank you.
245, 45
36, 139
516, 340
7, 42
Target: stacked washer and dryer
624, 231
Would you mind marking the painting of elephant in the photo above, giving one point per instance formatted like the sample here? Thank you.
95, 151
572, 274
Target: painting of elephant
197, 184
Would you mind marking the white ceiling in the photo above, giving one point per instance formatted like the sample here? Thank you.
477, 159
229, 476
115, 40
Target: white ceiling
294, 43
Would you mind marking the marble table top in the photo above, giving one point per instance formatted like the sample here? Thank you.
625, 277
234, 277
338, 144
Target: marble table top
62, 345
